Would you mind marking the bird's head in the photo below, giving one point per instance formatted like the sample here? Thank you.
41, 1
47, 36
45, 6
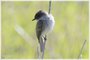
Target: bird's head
39, 14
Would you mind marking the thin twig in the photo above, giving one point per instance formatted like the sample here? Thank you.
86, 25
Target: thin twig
49, 7
81, 49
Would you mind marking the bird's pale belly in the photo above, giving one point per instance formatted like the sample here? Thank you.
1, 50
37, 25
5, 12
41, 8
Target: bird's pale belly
48, 26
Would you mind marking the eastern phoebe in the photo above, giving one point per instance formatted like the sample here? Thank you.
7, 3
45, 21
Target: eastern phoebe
45, 24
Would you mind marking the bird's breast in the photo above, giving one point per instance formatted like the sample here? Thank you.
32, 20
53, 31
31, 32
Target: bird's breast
49, 24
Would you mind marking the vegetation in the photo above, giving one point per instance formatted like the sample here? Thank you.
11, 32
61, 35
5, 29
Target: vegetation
64, 42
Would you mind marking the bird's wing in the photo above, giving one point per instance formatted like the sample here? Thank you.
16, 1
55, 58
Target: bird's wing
39, 28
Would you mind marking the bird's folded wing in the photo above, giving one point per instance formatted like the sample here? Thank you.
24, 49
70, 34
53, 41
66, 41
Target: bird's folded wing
39, 28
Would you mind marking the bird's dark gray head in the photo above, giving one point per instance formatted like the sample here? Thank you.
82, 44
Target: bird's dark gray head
39, 14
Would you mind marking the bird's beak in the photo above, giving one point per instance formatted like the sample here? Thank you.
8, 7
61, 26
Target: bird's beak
33, 19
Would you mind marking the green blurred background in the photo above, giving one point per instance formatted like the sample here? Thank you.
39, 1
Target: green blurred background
71, 29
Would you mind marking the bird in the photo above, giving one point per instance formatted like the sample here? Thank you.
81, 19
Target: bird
45, 24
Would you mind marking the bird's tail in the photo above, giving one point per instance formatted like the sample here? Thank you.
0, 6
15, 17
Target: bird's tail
42, 46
